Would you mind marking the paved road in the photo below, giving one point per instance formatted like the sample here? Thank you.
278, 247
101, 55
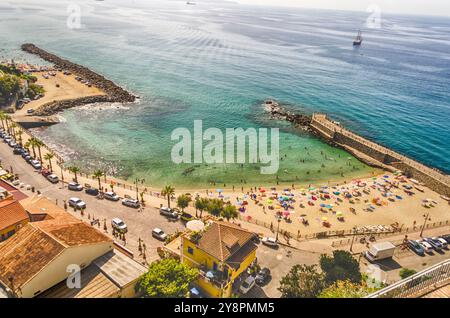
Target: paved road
139, 224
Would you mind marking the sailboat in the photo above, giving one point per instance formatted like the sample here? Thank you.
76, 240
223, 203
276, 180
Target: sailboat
358, 39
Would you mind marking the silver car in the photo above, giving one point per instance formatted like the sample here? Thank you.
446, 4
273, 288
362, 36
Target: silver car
77, 203
111, 196
132, 203
159, 234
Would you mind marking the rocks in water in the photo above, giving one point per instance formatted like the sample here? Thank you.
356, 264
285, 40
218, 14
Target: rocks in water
114, 93
279, 112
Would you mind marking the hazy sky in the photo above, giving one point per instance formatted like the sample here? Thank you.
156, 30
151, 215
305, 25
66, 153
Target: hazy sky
422, 7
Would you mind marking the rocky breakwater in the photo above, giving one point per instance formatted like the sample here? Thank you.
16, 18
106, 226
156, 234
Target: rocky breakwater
114, 93
279, 112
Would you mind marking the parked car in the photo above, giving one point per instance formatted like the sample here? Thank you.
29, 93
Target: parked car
248, 284
45, 172
263, 276
426, 246
77, 203
36, 164
186, 217
442, 241
159, 234
168, 212
119, 225
132, 203
53, 178
446, 238
25, 153
75, 186
12, 143
28, 159
30, 111
269, 241
437, 246
112, 196
91, 191
416, 247
18, 151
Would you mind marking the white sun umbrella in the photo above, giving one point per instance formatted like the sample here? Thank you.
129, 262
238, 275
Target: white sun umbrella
195, 225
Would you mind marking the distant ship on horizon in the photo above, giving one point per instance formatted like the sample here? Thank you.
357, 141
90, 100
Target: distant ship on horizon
358, 39
191, 3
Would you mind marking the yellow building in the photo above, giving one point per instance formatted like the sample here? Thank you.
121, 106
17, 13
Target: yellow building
222, 252
12, 217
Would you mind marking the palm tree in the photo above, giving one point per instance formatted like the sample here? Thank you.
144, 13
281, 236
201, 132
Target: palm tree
27, 146
32, 142
13, 127
39, 144
2, 118
7, 118
168, 191
201, 204
74, 170
19, 134
98, 174
49, 156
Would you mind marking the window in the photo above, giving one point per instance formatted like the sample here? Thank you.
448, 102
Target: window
190, 250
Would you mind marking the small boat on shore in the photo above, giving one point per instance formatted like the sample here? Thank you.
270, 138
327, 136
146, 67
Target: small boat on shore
418, 188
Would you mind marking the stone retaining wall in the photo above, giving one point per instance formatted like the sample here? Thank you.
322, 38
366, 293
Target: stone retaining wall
336, 134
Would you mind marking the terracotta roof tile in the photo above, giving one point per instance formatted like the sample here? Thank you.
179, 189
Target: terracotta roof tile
38, 243
11, 212
222, 239
25, 254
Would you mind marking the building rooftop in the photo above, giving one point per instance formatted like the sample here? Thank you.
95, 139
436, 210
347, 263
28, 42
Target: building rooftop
94, 284
222, 239
24, 254
119, 268
11, 212
35, 245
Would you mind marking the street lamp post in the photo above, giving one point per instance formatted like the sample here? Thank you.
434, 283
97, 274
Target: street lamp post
353, 239
278, 227
60, 163
426, 217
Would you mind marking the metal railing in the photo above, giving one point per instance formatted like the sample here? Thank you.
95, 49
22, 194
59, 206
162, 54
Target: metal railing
418, 284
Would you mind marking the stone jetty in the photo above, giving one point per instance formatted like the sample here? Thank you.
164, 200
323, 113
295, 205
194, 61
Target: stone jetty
279, 112
114, 93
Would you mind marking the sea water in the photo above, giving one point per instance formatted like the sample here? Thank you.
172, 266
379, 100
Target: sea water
218, 61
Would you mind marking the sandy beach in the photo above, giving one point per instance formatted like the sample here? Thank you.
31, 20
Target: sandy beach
325, 207
69, 88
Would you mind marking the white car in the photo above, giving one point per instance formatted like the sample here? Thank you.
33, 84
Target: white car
426, 246
443, 242
53, 178
132, 203
119, 225
36, 164
159, 234
77, 203
248, 284
269, 241
111, 196
75, 186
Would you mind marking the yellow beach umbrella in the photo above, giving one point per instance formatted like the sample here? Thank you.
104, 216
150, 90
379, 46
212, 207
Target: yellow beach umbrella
324, 218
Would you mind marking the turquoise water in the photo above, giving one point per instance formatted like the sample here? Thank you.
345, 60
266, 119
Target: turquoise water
218, 61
